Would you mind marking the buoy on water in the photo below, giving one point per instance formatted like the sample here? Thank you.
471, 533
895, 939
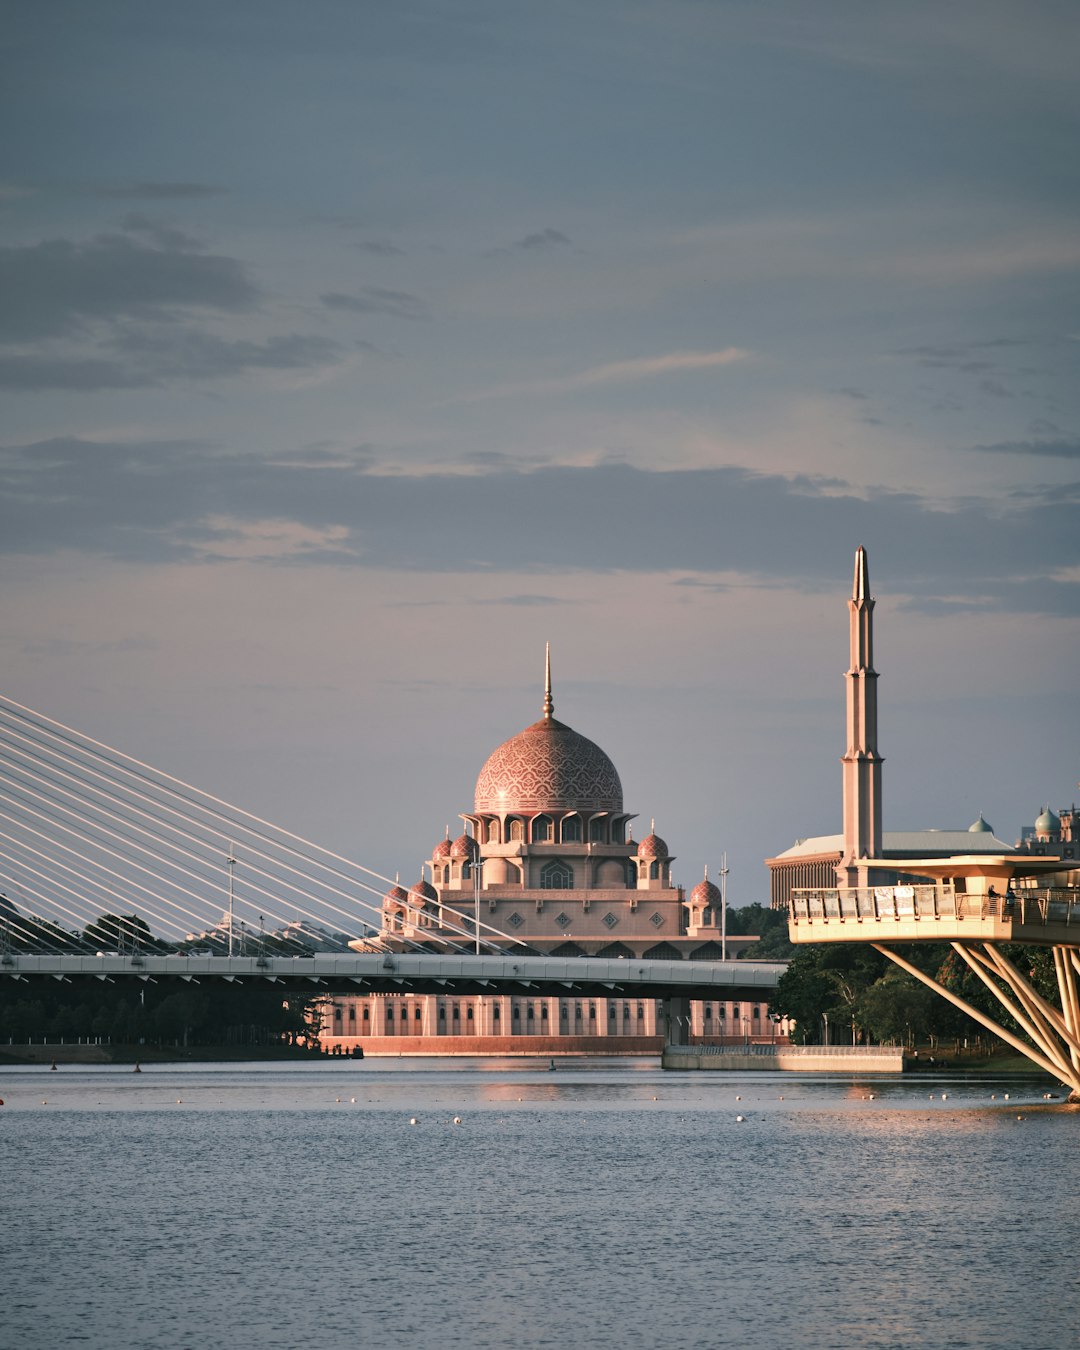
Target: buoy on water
136, 1069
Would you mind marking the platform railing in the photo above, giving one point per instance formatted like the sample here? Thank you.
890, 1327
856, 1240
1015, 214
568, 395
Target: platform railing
1043, 906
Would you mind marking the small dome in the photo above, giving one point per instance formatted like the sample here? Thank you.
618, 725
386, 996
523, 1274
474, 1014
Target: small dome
652, 846
980, 827
442, 848
706, 894
422, 894
1047, 822
395, 896
464, 846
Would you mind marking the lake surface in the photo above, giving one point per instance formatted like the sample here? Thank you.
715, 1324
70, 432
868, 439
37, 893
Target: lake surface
605, 1204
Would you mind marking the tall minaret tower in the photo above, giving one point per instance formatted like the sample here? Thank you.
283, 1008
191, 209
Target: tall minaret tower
862, 763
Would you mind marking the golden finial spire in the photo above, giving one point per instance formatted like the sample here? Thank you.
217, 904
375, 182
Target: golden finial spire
549, 702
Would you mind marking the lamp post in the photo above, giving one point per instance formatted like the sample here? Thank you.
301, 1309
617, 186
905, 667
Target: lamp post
230, 864
723, 905
478, 866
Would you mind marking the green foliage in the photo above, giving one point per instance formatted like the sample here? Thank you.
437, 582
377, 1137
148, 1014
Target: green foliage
898, 1008
769, 925
122, 933
161, 1014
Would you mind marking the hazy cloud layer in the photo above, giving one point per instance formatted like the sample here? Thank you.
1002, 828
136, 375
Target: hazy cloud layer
377, 300
58, 286
160, 503
1063, 449
154, 192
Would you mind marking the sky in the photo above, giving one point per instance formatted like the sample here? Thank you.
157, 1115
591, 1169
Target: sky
350, 351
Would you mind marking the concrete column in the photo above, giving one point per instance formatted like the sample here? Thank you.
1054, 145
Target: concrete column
677, 1021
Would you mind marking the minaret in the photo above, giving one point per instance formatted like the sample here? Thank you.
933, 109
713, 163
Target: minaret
549, 702
861, 761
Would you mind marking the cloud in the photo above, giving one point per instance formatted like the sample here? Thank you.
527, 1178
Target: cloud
380, 247
160, 234
546, 238
621, 372
153, 192
376, 300
158, 502
524, 601
190, 353
57, 286
154, 356
1063, 449
29, 373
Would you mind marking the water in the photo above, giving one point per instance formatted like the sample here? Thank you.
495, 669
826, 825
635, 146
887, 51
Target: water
606, 1204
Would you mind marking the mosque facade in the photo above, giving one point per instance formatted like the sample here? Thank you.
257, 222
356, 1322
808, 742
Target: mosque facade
547, 859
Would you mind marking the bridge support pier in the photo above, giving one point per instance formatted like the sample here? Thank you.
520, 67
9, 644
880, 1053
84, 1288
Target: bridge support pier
1054, 1033
676, 1021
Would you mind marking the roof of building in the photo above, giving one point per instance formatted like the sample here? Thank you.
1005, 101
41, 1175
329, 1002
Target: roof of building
548, 767
904, 843
652, 846
706, 892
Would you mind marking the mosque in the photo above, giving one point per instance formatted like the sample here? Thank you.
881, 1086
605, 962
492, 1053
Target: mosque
547, 859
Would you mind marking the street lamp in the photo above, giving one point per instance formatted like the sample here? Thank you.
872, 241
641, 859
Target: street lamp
478, 867
230, 864
723, 905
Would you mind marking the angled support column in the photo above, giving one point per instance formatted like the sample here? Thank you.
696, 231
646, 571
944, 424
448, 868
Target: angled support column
1051, 1054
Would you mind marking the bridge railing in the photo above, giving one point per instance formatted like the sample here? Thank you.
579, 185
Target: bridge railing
1039, 907
772, 1050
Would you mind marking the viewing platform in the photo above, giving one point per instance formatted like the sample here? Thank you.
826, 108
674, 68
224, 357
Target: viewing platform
937, 912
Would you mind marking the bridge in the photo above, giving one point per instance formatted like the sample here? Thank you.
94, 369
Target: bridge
114, 871
425, 973
958, 901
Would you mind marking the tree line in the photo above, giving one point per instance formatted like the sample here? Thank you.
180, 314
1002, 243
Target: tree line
218, 1015
847, 991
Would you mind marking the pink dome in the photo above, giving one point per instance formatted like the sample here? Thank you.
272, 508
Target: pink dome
652, 846
442, 849
395, 896
705, 894
464, 846
422, 894
548, 767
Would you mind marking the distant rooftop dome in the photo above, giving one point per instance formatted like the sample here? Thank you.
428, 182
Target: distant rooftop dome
422, 894
980, 827
396, 895
464, 846
1047, 822
652, 846
706, 894
442, 848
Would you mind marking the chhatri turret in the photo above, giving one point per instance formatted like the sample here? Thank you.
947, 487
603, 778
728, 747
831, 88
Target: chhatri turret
861, 761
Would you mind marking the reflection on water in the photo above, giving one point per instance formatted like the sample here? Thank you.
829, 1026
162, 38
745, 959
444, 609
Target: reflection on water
605, 1203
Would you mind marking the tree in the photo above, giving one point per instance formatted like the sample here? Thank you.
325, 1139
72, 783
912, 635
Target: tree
123, 933
770, 926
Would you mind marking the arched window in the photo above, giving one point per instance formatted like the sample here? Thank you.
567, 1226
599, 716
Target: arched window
571, 830
596, 830
517, 831
556, 876
541, 831
654, 871
493, 832
618, 832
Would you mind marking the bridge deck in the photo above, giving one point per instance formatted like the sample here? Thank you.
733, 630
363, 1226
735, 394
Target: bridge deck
398, 973
1048, 916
